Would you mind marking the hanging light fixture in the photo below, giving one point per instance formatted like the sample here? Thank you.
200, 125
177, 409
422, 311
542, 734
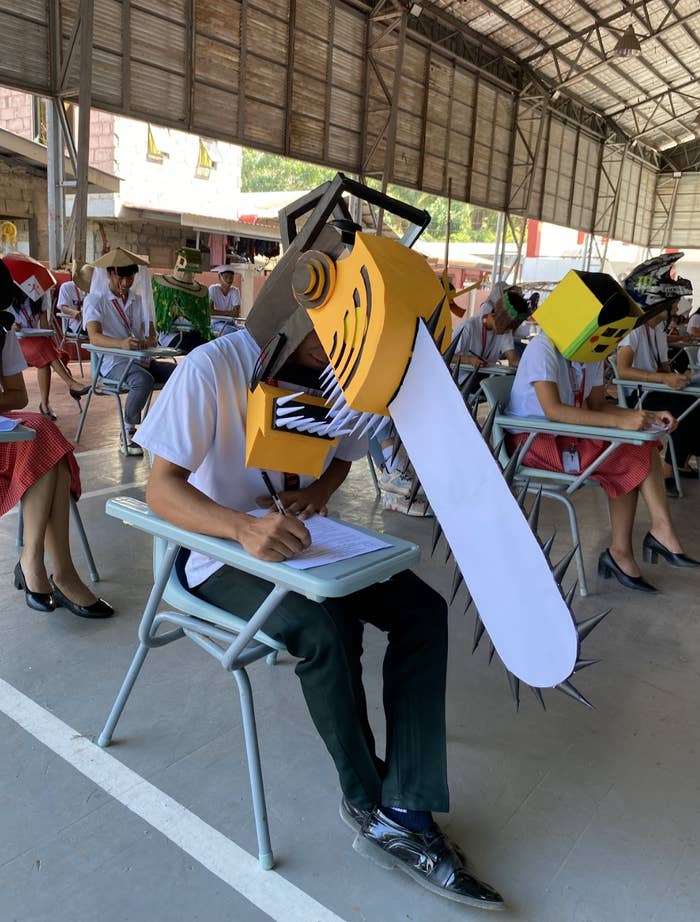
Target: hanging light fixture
627, 44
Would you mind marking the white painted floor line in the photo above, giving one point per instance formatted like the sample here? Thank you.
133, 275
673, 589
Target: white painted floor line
266, 890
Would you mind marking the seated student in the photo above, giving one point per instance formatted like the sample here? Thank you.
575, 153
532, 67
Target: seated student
643, 356
117, 316
486, 337
225, 302
41, 352
41, 474
71, 296
199, 481
183, 308
548, 385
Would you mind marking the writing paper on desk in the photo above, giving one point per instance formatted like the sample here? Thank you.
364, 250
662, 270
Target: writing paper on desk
331, 541
7, 424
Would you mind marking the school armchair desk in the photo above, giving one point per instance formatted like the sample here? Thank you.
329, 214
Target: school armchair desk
233, 641
554, 484
105, 385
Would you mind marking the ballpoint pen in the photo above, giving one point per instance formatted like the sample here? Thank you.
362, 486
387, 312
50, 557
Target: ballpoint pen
279, 505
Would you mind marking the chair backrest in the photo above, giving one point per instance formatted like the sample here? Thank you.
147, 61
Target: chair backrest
497, 391
621, 392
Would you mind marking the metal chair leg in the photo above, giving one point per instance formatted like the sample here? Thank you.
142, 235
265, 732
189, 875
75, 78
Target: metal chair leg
94, 575
575, 537
105, 738
265, 855
373, 474
83, 413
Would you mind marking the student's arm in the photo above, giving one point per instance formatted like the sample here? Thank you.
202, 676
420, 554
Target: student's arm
13, 393
151, 340
271, 537
627, 371
512, 356
596, 412
98, 338
314, 498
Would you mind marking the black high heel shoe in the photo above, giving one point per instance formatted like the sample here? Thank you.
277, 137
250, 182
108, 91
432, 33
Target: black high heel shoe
78, 392
47, 412
653, 549
98, 609
39, 601
607, 568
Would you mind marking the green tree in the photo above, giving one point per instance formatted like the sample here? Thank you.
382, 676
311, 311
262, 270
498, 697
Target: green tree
261, 172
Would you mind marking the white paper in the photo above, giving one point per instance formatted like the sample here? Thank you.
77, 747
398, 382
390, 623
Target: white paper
7, 424
331, 541
497, 553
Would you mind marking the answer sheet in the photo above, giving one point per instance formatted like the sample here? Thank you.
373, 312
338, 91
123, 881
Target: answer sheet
331, 541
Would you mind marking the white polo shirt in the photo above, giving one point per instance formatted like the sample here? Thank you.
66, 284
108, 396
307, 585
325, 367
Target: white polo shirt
229, 302
199, 423
649, 345
542, 361
694, 324
69, 295
107, 310
12, 359
475, 338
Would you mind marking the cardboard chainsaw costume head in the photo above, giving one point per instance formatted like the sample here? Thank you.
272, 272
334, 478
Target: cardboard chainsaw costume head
362, 295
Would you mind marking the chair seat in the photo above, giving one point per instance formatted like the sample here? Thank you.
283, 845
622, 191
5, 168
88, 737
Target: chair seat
176, 595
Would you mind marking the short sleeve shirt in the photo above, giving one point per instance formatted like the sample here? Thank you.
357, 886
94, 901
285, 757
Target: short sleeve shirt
649, 345
199, 423
474, 338
12, 359
542, 361
69, 295
107, 310
694, 323
229, 303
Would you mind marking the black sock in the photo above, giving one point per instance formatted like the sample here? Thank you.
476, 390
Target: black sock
415, 820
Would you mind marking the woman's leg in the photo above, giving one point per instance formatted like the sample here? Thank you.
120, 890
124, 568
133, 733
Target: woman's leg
654, 493
36, 509
58, 540
622, 512
64, 374
43, 378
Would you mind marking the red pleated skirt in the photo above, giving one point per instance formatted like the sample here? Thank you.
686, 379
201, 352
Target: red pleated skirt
23, 463
620, 473
40, 351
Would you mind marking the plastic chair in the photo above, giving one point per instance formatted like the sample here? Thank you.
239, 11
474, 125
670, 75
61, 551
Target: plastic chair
104, 385
554, 485
70, 336
232, 641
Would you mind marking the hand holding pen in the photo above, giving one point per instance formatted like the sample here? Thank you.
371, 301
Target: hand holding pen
279, 505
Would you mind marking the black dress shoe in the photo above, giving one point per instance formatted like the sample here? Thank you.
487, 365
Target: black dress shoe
353, 816
39, 601
47, 412
653, 549
427, 857
607, 568
98, 609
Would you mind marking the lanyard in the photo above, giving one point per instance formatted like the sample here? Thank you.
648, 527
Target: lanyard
27, 317
124, 318
578, 392
484, 336
656, 356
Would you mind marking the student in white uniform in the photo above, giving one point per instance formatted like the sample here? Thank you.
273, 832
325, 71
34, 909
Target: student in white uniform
225, 302
71, 297
643, 356
488, 336
116, 316
199, 481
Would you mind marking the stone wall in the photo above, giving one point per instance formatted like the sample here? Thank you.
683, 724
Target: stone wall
23, 197
159, 242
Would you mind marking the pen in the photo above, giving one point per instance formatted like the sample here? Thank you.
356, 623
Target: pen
476, 355
279, 505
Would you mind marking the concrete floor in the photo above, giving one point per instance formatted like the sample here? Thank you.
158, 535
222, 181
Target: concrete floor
575, 815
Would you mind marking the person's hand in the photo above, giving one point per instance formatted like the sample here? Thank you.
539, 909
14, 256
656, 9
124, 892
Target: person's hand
131, 343
15, 328
636, 420
275, 537
677, 380
474, 360
302, 503
662, 420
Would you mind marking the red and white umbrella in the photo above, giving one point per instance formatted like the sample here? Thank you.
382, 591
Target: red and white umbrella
31, 276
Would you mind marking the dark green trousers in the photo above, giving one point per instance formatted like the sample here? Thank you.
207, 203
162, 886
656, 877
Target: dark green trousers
327, 639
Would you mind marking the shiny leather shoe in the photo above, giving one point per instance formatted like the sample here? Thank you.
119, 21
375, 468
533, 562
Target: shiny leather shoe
653, 549
352, 816
607, 568
39, 601
427, 857
78, 392
98, 609
47, 412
